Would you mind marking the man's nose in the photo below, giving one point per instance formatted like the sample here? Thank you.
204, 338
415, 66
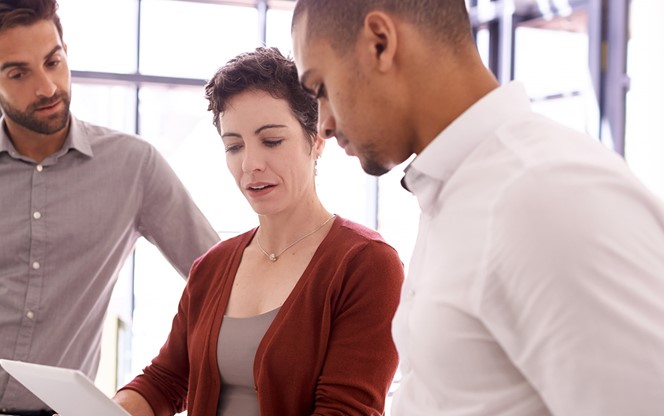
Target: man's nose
45, 87
326, 124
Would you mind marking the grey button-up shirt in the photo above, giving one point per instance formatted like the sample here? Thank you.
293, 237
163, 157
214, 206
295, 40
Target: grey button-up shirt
66, 227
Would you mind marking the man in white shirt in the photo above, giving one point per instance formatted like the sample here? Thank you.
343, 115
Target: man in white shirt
536, 285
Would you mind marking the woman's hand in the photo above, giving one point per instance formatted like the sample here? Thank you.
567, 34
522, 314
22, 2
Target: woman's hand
133, 403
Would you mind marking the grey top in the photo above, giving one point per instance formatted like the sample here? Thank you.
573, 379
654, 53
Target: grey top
236, 350
66, 227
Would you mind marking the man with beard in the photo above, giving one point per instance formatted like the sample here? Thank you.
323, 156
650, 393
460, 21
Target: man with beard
536, 285
74, 198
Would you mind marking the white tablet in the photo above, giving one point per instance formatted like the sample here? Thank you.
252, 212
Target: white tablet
68, 392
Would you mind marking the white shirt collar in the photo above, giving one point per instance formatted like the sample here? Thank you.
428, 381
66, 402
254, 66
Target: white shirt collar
429, 171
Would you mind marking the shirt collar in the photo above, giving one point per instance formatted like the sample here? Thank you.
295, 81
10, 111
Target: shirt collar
77, 139
429, 171
448, 150
6, 145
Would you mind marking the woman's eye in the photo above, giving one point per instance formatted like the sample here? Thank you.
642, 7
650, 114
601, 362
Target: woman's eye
233, 148
273, 142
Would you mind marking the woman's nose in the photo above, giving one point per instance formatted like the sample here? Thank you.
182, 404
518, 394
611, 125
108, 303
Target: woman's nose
252, 161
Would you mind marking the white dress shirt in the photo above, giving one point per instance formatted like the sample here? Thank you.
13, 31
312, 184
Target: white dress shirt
536, 285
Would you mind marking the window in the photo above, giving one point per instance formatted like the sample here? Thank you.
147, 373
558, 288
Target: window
645, 64
100, 35
553, 65
190, 39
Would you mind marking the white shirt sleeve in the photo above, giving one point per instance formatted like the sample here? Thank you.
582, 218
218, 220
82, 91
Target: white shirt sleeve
576, 291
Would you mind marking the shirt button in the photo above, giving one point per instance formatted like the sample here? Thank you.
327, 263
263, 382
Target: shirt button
36, 215
40, 168
36, 265
30, 314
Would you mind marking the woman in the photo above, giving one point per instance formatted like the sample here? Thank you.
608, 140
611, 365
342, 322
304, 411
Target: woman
294, 316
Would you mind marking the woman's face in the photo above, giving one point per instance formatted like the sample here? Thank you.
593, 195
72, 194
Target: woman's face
267, 152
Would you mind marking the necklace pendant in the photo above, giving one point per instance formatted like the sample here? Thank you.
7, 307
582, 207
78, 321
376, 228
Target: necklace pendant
273, 257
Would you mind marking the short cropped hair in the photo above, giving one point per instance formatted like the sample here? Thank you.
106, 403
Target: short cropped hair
15, 13
264, 69
339, 21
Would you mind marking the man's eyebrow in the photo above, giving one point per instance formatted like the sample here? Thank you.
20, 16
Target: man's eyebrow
48, 56
55, 49
7, 65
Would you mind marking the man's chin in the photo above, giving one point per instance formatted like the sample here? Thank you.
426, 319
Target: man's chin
54, 123
373, 168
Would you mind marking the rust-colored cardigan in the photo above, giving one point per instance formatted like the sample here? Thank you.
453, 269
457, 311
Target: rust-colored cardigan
329, 350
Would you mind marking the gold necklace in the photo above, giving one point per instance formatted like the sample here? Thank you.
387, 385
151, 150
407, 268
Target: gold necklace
274, 257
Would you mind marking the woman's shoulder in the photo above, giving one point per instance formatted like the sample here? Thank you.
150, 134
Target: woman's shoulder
349, 239
223, 251
356, 231
348, 234
360, 257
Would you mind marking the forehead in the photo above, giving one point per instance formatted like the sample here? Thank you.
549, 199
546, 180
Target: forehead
306, 50
252, 109
300, 45
311, 55
23, 43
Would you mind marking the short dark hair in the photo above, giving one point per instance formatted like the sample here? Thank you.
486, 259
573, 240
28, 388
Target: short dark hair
264, 69
339, 21
15, 13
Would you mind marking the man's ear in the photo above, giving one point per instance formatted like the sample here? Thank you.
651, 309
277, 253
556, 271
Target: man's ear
380, 35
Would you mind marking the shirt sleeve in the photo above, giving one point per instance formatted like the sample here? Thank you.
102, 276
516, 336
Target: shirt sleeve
575, 292
169, 217
361, 358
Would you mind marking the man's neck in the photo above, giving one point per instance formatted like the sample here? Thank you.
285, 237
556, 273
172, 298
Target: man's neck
35, 145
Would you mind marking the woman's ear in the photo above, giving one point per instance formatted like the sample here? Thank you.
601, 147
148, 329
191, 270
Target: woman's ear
319, 145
